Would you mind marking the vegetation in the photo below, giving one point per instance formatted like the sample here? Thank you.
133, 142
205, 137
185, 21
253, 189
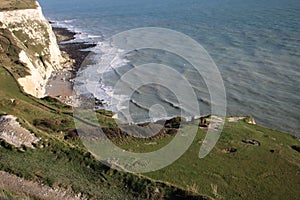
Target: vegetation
17, 4
9, 54
60, 161
235, 169
8, 195
248, 162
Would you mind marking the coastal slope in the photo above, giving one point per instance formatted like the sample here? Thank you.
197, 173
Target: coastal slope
28, 48
41, 152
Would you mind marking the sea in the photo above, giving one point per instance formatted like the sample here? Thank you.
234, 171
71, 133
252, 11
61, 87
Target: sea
255, 45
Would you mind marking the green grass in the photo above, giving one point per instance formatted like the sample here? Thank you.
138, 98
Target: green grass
9, 56
252, 172
62, 162
268, 171
27, 108
143, 145
17, 4
59, 165
9, 195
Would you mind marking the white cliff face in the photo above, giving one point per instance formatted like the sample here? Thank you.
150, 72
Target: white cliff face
34, 84
40, 52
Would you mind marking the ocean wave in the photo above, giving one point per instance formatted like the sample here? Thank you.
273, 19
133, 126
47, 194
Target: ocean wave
169, 102
139, 105
108, 57
81, 34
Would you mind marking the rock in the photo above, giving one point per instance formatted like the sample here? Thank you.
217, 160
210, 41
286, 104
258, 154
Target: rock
151, 143
235, 119
252, 141
13, 133
249, 120
296, 148
229, 150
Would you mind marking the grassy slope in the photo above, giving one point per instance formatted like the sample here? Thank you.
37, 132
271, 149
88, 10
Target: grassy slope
8, 195
65, 162
51, 164
268, 171
251, 172
17, 4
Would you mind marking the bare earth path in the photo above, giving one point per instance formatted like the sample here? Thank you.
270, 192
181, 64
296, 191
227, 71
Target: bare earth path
21, 186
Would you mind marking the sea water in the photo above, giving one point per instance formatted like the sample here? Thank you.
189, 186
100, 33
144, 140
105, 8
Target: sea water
254, 43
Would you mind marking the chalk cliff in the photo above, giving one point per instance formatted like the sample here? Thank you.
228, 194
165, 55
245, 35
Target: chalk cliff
28, 48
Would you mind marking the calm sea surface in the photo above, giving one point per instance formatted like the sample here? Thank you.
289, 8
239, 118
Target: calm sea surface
254, 43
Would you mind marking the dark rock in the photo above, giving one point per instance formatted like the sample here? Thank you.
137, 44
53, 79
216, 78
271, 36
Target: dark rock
63, 34
174, 122
73, 49
296, 148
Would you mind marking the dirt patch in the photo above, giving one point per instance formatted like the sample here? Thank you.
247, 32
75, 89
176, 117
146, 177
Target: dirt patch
18, 185
60, 86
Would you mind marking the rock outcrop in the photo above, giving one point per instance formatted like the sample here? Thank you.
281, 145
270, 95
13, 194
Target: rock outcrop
28, 48
13, 133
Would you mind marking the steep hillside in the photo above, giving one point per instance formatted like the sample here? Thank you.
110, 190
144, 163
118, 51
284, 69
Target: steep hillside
248, 162
59, 159
36, 143
28, 48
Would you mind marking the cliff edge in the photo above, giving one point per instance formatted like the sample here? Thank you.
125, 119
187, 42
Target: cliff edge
28, 48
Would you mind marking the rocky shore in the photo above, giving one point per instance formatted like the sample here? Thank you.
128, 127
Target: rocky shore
60, 83
73, 49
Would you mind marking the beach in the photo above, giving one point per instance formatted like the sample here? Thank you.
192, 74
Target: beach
60, 84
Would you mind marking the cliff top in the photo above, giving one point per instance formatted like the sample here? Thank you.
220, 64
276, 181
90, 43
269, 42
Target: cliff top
17, 4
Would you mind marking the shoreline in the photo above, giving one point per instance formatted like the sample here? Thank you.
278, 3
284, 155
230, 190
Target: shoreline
73, 50
60, 83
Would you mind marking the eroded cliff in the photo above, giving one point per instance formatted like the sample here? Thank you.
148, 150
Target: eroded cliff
28, 48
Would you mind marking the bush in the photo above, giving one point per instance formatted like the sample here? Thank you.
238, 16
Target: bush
72, 134
174, 122
6, 145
